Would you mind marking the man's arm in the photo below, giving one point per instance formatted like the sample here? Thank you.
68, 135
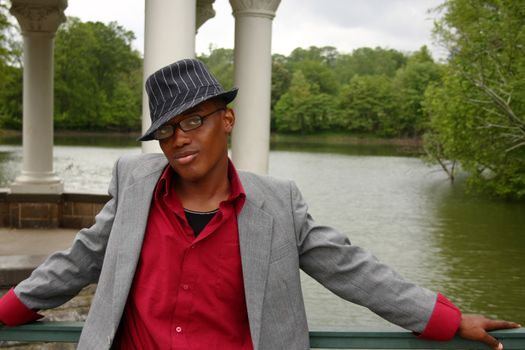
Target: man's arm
357, 276
62, 275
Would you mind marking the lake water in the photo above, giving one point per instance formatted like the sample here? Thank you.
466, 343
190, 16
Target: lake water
470, 248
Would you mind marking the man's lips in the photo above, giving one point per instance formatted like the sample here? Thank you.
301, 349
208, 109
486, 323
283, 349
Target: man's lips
186, 157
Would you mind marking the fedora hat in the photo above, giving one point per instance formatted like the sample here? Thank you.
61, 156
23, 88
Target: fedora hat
178, 87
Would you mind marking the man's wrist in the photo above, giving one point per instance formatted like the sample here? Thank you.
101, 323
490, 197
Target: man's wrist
13, 312
444, 321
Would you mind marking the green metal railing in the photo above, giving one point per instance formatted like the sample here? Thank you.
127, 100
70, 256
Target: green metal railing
512, 339
400, 339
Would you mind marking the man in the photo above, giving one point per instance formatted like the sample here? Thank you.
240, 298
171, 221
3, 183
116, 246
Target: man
190, 254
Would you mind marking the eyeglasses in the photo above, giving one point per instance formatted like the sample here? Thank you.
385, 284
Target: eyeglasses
186, 124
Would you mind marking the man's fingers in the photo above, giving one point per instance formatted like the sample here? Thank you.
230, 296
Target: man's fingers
492, 342
498, 324
475, 327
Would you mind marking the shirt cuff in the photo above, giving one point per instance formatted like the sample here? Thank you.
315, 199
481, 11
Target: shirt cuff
13, 312
444, 321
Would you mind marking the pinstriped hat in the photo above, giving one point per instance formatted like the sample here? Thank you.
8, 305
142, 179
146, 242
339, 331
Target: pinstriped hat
178, 87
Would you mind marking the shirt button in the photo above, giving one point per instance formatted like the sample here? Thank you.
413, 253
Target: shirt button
185, 287
178, 329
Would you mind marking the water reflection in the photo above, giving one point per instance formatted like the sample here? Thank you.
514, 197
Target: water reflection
10, 163
482, 243
109, 140
381, 203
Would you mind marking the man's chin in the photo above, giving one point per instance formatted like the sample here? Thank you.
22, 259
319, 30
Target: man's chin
187, 174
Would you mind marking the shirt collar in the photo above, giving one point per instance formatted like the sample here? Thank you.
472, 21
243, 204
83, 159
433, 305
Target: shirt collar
237, 193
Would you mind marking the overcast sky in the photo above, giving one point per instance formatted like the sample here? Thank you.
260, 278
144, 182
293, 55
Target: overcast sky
403, 25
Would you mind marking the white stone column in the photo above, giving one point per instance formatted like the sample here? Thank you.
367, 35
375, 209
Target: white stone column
169, 35
39, 20
253, 76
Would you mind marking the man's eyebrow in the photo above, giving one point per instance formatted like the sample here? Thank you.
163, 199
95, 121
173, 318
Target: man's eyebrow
192, 110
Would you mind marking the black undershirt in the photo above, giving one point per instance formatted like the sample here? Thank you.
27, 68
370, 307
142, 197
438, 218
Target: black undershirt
198, 220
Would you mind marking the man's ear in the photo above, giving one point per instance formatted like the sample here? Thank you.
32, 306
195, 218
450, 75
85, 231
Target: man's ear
228, 120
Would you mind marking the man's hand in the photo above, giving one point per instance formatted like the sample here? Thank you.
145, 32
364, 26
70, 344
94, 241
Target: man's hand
475, 327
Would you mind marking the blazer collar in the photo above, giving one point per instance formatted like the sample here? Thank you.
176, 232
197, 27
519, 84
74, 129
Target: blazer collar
255, 236
151, 164
134, 216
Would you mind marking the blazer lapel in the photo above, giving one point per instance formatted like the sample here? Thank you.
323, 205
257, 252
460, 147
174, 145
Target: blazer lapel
255, 237
135, 213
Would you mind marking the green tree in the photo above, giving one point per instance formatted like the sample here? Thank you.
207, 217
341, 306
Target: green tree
317, 65
302, 109
410, 83
320, 75
327, 55
281, 78
98, 77
368, 104
368, 61
478, 112
10, 72
220, 63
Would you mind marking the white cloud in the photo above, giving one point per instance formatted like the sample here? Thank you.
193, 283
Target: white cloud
398, 24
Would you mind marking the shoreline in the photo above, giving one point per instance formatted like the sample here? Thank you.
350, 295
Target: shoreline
331, 139
342, 139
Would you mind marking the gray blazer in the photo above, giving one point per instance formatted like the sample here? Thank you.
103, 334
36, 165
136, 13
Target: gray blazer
277, 238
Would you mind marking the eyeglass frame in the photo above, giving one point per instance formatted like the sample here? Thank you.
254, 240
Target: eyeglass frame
174, 126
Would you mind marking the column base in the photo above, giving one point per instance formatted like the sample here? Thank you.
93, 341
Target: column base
27, 184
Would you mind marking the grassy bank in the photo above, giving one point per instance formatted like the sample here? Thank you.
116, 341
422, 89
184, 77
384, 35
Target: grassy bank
323, 142
346, 139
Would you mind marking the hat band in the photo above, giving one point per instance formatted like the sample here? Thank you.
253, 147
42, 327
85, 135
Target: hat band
182, 99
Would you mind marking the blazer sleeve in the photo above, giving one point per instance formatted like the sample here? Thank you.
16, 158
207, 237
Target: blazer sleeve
355, 275
63, 274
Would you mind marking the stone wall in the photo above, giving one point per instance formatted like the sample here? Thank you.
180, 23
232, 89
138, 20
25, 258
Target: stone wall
67, 210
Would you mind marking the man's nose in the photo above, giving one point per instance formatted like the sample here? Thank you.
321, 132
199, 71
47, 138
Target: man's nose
180, 137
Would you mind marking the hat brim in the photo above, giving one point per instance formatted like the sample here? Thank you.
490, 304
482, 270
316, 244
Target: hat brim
227, 96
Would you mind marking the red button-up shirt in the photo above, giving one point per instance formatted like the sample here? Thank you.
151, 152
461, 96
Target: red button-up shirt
188, 292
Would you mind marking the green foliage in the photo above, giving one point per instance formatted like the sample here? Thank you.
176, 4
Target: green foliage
375, 91
368, 104
368, 61
10, 72
98, 77
319, 74
11, 97
317, 66
5, 25
281, 78
220, 63
478, 112
303, 109
410, 84
326, 55
3, 19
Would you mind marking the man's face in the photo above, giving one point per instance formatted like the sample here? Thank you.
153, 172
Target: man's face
203, 152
